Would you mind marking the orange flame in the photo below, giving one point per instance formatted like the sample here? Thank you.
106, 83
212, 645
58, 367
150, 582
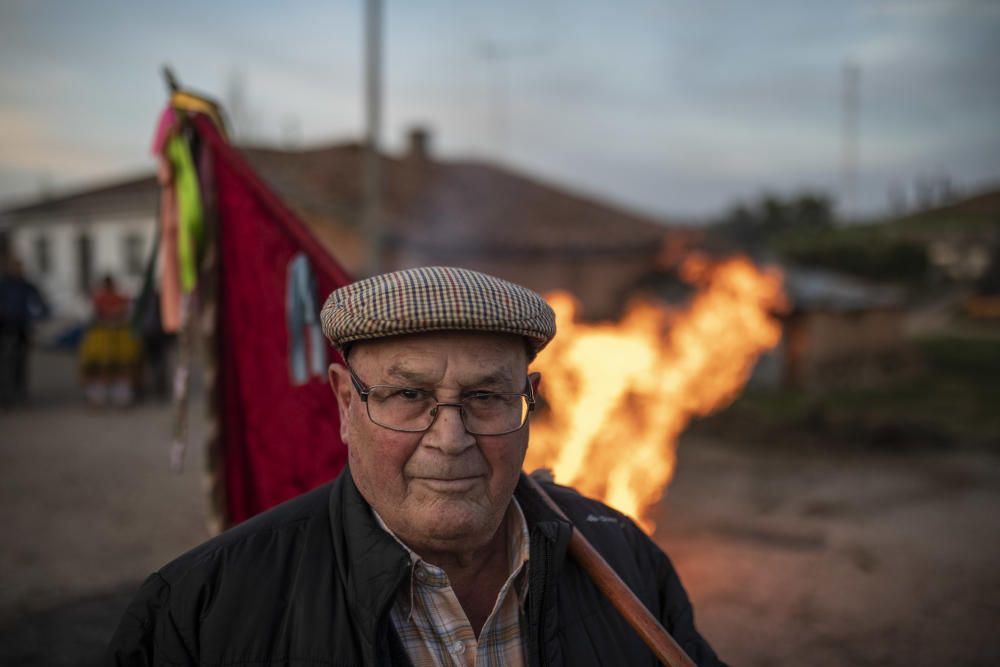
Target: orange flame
621, 393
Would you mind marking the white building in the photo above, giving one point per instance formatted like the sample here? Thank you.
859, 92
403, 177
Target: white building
68, 243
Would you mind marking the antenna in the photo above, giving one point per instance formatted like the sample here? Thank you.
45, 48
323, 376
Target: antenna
851, 150
497, 57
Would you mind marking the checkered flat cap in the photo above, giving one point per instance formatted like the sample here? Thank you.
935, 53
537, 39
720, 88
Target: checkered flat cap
436, 298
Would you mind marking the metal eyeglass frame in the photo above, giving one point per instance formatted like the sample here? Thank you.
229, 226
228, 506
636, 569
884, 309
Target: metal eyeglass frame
364, 390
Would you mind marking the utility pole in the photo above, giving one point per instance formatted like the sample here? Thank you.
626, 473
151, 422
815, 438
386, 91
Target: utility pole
371, 222
851, 109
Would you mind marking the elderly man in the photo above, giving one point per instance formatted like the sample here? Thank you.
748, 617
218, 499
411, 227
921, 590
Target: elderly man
427, 549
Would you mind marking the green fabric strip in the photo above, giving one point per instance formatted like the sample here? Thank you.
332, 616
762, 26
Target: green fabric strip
190, 219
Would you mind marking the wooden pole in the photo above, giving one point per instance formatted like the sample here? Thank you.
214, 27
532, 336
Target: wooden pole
617, 591
371, 223
204, 323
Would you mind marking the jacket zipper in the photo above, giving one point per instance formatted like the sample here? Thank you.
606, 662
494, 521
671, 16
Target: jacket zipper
538, 583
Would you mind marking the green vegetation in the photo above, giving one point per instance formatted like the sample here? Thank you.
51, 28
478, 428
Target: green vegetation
946, 221
755, 224
868, 252
801, 229
952, 400
971, 359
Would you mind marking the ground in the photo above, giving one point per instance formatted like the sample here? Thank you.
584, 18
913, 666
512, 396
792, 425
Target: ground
793, 555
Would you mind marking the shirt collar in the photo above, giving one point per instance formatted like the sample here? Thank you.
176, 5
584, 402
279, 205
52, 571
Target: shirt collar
518, 551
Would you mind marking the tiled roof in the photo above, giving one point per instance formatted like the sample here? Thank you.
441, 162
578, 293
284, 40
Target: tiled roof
457, 205
134, 194
453, 207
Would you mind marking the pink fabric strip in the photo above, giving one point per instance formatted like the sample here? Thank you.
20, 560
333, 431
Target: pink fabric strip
170, 271
164, 126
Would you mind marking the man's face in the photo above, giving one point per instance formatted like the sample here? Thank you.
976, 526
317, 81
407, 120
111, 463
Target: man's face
443, 490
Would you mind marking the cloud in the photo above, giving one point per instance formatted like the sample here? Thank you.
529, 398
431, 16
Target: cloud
26, 145
30, 152
933, 9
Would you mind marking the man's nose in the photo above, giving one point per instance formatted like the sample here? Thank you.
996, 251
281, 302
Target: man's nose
447, 431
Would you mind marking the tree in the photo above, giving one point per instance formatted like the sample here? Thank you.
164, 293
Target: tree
772, 215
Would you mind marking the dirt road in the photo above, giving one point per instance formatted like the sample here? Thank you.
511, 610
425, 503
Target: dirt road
792, 557
821, 559
90, 508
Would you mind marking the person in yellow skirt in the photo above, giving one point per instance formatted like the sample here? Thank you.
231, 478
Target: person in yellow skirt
110, 353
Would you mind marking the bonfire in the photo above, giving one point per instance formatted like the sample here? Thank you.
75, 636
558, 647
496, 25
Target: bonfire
620, 393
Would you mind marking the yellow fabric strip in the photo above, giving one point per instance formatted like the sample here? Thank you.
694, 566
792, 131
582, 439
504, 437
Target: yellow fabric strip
186, 101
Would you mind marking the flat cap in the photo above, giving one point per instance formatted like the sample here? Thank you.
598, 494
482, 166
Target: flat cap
436, 298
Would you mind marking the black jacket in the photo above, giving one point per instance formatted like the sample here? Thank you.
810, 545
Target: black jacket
311, 582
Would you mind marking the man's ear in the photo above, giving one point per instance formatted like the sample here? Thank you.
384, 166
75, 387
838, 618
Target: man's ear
535, 379
343, 391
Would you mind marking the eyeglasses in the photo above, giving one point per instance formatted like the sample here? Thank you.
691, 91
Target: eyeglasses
413, 410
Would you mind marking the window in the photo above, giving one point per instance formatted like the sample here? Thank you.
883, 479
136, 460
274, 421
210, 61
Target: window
43, 255
84, 262
132, 248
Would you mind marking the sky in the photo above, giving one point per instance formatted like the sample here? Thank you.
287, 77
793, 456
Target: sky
675, 108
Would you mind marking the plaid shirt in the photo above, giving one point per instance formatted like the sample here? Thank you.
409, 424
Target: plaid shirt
433, 627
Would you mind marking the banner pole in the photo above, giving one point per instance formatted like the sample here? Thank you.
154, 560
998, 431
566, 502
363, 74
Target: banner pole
656, 637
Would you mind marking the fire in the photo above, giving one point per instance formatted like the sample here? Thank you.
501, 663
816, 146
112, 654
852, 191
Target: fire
621, 393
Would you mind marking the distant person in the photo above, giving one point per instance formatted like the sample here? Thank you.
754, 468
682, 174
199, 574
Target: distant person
156, 344
110, 352
21, 304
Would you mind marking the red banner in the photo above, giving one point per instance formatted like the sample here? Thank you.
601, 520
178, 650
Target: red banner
279, 439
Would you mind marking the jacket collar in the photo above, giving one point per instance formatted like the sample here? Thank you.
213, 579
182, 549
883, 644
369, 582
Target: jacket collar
535, 509
371, 565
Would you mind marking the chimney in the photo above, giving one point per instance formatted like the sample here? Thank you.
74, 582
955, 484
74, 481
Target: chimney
419, 139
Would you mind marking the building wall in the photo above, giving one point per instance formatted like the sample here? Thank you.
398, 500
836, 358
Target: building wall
834, 336
830, 348
120, 246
